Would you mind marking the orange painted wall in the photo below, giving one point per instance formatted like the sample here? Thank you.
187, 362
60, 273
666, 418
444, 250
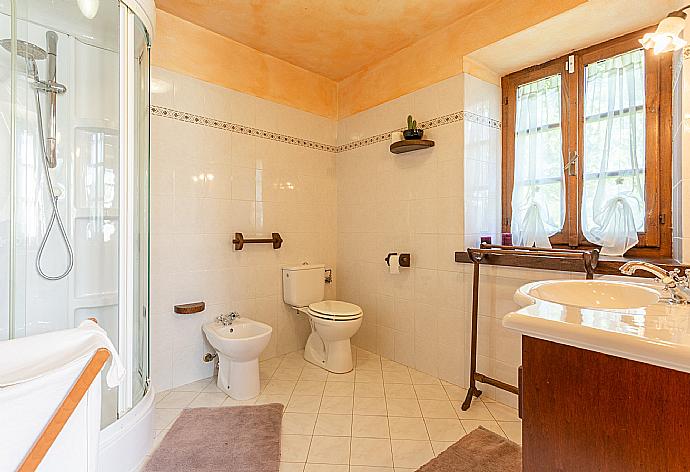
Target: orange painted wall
192, 50
440, 55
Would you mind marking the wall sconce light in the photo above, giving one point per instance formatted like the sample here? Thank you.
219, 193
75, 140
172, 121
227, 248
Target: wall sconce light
667, 38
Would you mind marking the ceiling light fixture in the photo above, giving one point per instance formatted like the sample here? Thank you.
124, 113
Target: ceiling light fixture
667, 38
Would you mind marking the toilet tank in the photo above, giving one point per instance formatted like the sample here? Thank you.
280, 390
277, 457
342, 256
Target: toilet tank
303, 285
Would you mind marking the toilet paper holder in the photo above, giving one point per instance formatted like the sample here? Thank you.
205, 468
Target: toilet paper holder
404, 260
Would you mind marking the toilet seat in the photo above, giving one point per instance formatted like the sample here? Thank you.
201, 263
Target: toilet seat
334, 310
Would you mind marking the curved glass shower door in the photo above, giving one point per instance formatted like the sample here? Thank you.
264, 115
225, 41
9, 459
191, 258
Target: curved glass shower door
74, 177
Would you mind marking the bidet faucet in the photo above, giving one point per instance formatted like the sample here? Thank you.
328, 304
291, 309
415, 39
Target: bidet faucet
226, 320
676, 284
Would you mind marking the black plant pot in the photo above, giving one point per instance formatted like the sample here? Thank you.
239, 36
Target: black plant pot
413, 133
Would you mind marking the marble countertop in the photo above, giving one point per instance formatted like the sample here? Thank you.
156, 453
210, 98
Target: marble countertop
658, 334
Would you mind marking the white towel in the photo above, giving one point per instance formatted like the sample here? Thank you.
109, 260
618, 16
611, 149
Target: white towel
31, 357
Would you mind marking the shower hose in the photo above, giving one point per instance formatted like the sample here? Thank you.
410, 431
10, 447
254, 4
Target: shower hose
55, 216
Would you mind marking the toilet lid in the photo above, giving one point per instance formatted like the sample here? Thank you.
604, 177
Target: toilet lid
336, 309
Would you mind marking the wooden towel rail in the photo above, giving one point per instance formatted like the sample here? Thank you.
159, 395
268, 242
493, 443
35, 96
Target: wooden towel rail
275, 239
64, 412
492, 254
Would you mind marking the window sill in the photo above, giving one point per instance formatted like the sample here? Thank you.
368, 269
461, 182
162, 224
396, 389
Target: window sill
607, 265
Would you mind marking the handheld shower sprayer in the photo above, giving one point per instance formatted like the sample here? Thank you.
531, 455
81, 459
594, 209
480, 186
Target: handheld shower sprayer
48, 149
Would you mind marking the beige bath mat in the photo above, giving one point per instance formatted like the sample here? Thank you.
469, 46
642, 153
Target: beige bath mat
479, 451
238, 438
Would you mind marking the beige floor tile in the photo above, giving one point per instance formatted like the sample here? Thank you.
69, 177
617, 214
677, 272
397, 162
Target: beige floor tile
512, 429
366, 468
329, 450
299, 423
309, 387
396, 377
368, 389
430, 392
375, 376
212, 388
371, 452
208, 400
369, 406
326, 468
403, 407
444, 429
287, 373
279, 387
304, 404
294, 448
399, 391
408, 453
164, 417
339, 389
437, 409
369, 364
291, 467
440, 446
392, 366
196, 386
477, 411
177, 400
264, 399
407, 428
161, 395
420, 378
314, 373
229, 401
347, 377
404, 469
336, 405
293, 363
266, 372
454, 392
333, 425
491, 425
370, 426
502, 412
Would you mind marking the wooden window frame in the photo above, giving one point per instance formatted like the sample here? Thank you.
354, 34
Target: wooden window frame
656, 241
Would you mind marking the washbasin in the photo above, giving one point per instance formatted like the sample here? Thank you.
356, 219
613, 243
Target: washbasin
594, 294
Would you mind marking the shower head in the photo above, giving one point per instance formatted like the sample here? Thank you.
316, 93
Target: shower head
28, 51
25, 49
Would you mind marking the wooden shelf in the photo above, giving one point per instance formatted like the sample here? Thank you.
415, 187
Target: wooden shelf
190, 308
408, 145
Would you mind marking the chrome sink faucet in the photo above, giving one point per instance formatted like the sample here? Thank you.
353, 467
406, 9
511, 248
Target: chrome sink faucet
677, 285
226, 320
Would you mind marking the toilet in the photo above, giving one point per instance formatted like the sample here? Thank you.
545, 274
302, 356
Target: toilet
332, 322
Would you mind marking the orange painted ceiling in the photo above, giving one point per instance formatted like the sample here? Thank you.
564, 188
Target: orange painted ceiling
334, 38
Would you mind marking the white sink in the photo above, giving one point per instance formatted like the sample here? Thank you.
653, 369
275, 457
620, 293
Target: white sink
594, 294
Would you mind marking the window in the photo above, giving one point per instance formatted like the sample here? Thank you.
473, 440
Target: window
587, 151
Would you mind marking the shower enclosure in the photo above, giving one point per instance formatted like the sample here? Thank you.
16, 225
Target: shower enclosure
74, 185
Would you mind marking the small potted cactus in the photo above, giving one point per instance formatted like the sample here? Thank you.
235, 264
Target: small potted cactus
412, 132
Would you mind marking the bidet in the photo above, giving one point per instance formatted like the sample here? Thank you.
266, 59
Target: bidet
238, 346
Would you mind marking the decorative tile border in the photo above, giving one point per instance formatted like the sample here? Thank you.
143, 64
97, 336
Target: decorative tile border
284, 138
237, 128
686, 53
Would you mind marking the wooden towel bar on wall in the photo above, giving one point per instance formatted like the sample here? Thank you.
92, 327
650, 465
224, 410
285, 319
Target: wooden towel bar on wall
239, 241
64, 412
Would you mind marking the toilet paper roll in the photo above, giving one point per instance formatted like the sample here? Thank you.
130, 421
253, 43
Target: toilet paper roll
394, 262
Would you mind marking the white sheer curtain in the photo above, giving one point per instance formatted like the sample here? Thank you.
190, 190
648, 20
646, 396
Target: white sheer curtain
538, 203
613, 203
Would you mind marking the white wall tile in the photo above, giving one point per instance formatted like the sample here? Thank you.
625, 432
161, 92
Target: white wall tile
208, 184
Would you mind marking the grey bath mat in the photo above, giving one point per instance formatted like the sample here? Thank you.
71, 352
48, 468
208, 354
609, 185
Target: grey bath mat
479, 451
238, 438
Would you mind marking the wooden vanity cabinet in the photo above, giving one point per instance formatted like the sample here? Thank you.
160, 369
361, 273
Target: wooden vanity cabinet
586, 411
